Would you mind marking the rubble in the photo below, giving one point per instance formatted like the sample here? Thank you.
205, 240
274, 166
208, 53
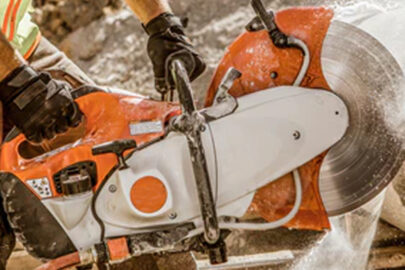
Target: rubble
58, 18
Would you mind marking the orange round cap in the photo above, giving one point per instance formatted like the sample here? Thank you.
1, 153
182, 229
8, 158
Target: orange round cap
148, 194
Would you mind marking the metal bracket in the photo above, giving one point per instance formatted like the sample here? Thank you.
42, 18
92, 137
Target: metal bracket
224, 103
266, 20
223, 90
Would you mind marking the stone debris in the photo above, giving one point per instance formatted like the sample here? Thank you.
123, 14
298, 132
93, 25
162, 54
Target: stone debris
57, 18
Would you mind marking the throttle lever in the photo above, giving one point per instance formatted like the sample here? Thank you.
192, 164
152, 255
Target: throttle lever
115, 147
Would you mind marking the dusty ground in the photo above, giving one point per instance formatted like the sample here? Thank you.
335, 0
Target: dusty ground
387, 252
111, 49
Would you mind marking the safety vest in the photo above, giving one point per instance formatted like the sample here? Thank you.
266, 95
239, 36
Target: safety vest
16, 25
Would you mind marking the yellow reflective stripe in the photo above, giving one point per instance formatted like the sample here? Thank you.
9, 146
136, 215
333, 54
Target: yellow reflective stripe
16, 25
26, 54
7, 16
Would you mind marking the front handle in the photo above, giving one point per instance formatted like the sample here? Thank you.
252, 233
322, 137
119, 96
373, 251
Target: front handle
183, 86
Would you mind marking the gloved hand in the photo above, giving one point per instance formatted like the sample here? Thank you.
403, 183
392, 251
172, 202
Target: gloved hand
167, 40
39, 106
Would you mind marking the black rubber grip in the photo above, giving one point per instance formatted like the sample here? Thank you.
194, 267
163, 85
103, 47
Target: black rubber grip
115, 147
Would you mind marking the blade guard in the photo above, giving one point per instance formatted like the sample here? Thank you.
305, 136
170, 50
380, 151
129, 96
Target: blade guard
264, 66
102, 125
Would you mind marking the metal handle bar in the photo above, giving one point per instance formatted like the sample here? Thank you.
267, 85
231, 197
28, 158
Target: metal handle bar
183, 86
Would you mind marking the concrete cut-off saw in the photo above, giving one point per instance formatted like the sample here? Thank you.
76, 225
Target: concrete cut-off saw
302, 121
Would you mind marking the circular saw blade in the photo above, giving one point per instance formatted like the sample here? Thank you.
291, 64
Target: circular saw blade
367, 77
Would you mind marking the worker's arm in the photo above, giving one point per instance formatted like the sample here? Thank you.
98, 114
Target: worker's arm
166, 41
9, 59
36, 104
146, 10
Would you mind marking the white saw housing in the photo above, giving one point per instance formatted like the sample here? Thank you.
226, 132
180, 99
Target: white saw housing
270, 134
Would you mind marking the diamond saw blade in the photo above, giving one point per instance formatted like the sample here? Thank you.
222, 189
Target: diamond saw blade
368, 78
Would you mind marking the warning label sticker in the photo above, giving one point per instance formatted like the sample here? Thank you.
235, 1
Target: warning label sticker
140, 128
41, 187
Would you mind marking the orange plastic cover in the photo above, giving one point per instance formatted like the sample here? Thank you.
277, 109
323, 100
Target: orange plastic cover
101, 126
257, 58
148, 194
118, 249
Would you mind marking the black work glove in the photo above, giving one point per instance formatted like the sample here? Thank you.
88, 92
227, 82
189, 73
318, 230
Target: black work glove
39, 106
166, 42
